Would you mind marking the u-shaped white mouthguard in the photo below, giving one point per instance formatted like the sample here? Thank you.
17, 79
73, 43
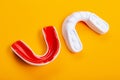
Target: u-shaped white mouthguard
69, 33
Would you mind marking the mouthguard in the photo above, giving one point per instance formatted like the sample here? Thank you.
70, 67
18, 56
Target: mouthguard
68, 28
23, 51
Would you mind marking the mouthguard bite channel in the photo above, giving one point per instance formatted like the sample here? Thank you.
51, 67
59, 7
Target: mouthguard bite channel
53, 46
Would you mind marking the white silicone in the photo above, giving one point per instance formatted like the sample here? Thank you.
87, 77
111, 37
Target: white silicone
69, 33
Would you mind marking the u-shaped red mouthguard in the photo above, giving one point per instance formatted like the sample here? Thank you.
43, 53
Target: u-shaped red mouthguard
53, 47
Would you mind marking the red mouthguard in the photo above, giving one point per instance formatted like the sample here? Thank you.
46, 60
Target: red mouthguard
53, 47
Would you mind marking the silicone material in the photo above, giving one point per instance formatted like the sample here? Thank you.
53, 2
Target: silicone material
69, 33
53, 47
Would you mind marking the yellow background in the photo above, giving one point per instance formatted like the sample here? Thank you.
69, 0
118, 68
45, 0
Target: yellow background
24, 20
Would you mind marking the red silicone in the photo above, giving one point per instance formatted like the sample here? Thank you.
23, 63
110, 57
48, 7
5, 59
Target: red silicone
26, 54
